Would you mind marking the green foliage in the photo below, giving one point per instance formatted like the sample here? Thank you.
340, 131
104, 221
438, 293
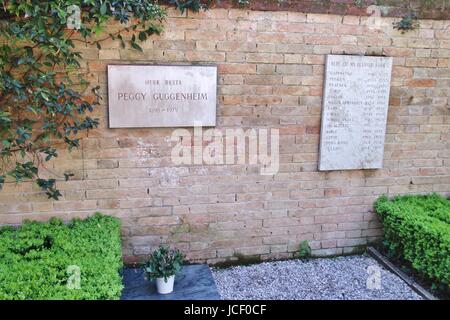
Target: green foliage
164, 262
304, 250
417, 229
242, 3
35, 259
407, 23
194, 5
45, 100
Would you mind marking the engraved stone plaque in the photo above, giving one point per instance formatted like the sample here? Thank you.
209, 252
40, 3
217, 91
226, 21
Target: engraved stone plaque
141, 96
354, 113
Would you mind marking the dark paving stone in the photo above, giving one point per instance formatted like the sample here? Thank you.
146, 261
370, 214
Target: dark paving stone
194, 282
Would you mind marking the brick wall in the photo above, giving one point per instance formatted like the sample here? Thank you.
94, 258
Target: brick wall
388, 8
271, 71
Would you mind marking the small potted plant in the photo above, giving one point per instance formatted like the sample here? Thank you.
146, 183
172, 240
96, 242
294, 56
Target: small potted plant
164, 263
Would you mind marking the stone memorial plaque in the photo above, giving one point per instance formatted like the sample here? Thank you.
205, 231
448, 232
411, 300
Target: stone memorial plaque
141, 96
354, 113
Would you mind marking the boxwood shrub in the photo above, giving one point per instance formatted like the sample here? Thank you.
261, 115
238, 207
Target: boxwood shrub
38, 260
417, 229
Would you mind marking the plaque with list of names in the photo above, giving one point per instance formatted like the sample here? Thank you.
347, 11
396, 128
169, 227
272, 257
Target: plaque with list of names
354, 112
143, 96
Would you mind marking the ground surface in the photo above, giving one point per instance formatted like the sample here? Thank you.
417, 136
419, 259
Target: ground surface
194, 282
331, 278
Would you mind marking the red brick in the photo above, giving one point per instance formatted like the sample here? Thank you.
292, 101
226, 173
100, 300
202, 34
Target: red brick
420, 83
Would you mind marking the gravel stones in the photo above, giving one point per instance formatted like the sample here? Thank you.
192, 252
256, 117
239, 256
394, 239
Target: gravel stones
340, 278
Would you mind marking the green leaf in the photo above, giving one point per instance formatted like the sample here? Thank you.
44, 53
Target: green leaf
142, 36
134, 45
103, 8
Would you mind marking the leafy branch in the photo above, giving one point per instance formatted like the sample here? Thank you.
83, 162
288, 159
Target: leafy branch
45, 102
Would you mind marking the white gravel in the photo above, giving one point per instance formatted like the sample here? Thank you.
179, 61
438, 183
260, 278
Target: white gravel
340, 278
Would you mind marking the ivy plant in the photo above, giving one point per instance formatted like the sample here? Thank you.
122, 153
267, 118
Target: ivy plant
45, 101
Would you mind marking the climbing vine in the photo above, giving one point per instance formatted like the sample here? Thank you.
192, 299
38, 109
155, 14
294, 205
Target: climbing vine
45, 104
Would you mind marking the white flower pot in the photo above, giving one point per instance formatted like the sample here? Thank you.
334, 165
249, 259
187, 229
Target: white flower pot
165, 287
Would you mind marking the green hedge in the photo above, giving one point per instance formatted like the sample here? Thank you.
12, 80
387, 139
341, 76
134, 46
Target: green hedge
34, 259
417, 228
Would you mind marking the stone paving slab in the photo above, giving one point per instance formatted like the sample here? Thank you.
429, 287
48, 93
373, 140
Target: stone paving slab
194, 282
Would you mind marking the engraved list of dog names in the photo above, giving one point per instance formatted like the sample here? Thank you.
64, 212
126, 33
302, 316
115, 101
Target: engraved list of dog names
143, 96
354, 114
